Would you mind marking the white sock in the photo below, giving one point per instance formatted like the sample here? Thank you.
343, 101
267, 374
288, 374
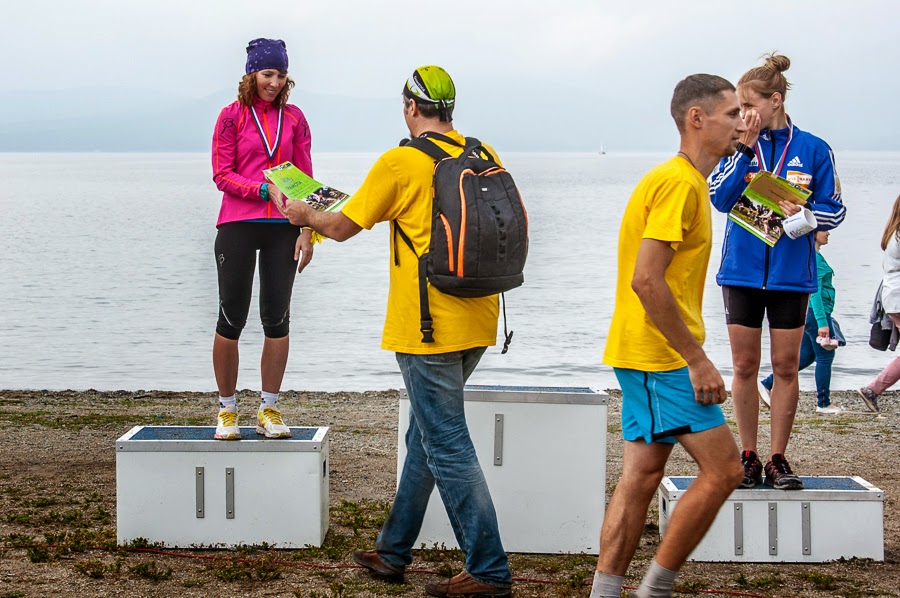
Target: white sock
268, 399
606, 585
229, 403
658, 582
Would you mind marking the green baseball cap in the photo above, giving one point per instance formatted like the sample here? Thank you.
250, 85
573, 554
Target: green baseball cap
432, 85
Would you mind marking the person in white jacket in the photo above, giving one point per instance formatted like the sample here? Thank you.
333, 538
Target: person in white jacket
890, 300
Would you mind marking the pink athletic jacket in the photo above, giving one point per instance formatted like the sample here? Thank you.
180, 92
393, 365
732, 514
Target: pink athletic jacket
239, 155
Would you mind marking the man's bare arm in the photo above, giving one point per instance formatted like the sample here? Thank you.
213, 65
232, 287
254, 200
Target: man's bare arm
333, 225
649, 283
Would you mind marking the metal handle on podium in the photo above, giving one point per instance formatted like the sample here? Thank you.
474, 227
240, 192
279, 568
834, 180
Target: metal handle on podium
229, 493
498, 439
198, 475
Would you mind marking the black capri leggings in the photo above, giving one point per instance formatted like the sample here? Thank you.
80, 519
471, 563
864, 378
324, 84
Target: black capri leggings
236, 247
746, 306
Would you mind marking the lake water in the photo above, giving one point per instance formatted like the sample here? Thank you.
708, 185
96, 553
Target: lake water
108, 279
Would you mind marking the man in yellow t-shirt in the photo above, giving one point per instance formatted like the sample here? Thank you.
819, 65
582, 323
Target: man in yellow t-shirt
439, 449
671, 391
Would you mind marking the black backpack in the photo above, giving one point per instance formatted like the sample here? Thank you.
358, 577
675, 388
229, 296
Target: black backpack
479, 228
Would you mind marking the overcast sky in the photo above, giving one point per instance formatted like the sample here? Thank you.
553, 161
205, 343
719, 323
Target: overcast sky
597, 60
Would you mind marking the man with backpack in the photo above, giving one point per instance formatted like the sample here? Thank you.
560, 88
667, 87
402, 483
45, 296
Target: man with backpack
671, 391
438, 337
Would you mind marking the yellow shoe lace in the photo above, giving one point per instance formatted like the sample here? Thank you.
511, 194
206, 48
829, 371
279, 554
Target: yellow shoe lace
227, 418
273, 415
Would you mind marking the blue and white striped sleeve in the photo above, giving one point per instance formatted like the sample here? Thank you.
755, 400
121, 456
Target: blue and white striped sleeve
825, 202
726, 183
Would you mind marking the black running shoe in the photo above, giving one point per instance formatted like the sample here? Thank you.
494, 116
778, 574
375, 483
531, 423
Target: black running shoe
753, 470
780, 476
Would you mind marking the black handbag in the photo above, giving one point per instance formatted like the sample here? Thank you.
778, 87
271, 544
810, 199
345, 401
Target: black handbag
879, 338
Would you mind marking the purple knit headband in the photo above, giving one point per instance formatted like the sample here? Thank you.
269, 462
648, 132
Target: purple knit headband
265, 53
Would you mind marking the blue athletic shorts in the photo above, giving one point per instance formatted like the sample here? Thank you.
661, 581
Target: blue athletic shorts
657, 406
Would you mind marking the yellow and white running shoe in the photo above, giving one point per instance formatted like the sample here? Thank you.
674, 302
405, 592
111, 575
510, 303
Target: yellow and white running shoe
227, 426
269, 422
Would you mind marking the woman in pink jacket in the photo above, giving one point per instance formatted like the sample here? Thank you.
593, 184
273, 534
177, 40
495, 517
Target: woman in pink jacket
258, 131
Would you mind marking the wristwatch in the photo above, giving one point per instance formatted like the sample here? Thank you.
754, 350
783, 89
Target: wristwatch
264, 192
745, 150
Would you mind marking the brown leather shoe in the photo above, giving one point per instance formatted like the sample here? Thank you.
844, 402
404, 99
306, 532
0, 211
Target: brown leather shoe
463, 585
371, 561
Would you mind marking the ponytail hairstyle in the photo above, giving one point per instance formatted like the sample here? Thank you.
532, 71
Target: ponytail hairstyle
893, 225
247, 91
768, 78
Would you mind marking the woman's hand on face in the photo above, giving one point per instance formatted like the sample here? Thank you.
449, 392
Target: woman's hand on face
303, 250
752, 122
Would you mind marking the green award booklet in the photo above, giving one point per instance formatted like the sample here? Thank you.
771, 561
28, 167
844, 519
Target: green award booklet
297, 186
757, 209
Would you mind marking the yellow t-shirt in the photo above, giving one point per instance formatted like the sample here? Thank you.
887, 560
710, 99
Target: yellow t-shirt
399, 187
671, 203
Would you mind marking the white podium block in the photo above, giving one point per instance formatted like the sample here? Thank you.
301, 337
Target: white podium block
543, 453
178, 486
831, 518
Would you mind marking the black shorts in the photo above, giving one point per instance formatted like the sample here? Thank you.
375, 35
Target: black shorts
237, 245
745, 306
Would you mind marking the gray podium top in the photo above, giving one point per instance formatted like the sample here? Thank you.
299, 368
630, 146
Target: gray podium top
200, 439
563, 395
814, 488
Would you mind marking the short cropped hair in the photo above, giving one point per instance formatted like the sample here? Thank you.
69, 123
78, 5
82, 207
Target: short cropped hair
697, 90
428, 110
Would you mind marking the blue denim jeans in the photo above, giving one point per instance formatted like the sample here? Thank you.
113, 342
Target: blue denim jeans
439, 452
811, 351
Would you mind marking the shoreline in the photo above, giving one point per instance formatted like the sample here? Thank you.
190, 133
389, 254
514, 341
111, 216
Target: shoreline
58, 488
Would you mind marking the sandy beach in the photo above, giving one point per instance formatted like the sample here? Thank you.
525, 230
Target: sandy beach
58, 493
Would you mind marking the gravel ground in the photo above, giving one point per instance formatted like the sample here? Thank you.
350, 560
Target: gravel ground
57, 504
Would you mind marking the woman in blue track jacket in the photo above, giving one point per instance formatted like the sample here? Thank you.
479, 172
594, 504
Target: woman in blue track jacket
776, 281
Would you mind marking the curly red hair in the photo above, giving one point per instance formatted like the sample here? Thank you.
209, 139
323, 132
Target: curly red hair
247, 91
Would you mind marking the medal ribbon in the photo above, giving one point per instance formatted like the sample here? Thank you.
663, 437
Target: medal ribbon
270, 149
758, 150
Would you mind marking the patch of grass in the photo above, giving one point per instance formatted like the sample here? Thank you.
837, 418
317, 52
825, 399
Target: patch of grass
20, 518
437, 554
96, 569
266, 568
335, 547
447, 569
229, 570
37, 554
575, 582
44, 501
193, 583
102, 516
691, 586
93, 568
92, 497
140, 542
19, 540
760, 583
12, 595
363, 516
822, 581
150, 570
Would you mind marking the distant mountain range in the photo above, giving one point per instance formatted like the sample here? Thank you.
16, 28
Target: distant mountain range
123, 120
